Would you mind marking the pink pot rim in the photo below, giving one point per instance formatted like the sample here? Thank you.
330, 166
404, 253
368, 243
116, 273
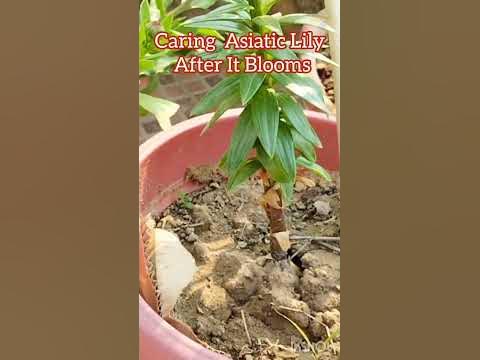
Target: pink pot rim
150, 322
149, 146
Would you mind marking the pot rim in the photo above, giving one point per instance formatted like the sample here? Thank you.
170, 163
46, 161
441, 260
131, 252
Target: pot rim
149, 146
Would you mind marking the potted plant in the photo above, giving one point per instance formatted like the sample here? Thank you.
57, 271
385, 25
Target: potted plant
270, 136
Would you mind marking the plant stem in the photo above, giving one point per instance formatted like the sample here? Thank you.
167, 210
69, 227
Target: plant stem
279, 237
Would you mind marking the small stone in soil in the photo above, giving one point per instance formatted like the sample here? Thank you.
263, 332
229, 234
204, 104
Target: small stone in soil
220, 201
242, 244
216, 302
201, 214
317, 329
241, 222
322, 207
299, 186
192, 237
214, 185
300, 205
200, 250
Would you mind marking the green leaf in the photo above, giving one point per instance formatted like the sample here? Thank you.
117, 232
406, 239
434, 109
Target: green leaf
222, 164
249, 85
273, 165
208, 17
155, 12
247, 169
219, 13
225, 12
155, 64
221, 54
144, 12
296, 117
146, 67
210, 32
303, 145
303, 86
243, 139
230, 26
231, 100
215, 96
162, 5
271, 23
144, 19
314, 167
286, 151
162, 109
287, 192
168, 22
306, 19
282, 54
164, 62
318, 56
263, 6
192, 4
266, 117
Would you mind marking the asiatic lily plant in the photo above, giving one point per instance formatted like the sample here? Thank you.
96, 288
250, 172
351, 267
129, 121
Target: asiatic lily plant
273, 137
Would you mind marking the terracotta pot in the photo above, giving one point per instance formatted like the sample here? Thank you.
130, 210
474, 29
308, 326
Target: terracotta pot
163, 161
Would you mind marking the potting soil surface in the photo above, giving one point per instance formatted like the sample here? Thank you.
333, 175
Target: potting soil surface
241, 302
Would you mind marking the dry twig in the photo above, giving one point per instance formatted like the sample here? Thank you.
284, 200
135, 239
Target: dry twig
246, 328
315, 238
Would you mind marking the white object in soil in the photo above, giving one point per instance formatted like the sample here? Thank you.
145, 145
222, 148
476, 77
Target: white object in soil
175, 268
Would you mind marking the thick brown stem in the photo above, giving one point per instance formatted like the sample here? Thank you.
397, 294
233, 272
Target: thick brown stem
279, 237
276, 218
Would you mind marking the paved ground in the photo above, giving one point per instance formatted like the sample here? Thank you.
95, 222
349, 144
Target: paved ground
185, 90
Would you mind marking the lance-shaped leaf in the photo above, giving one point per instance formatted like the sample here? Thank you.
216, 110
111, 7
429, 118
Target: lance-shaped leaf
158, 64
221, 54
224, 12
303, 145
271, 23
244, 171
314, 167
306, 19
285, 151
287, 192
162, 109
296, 117
303, 86
282, 54
317, 56
266, 118
243, 139
263, 6
212, 100
231, 100
238, 14
249, 85
230, 25
192, 4
144, 13
210, 32
273, 165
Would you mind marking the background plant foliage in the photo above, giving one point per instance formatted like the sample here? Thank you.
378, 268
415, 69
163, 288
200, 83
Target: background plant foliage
164, 15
